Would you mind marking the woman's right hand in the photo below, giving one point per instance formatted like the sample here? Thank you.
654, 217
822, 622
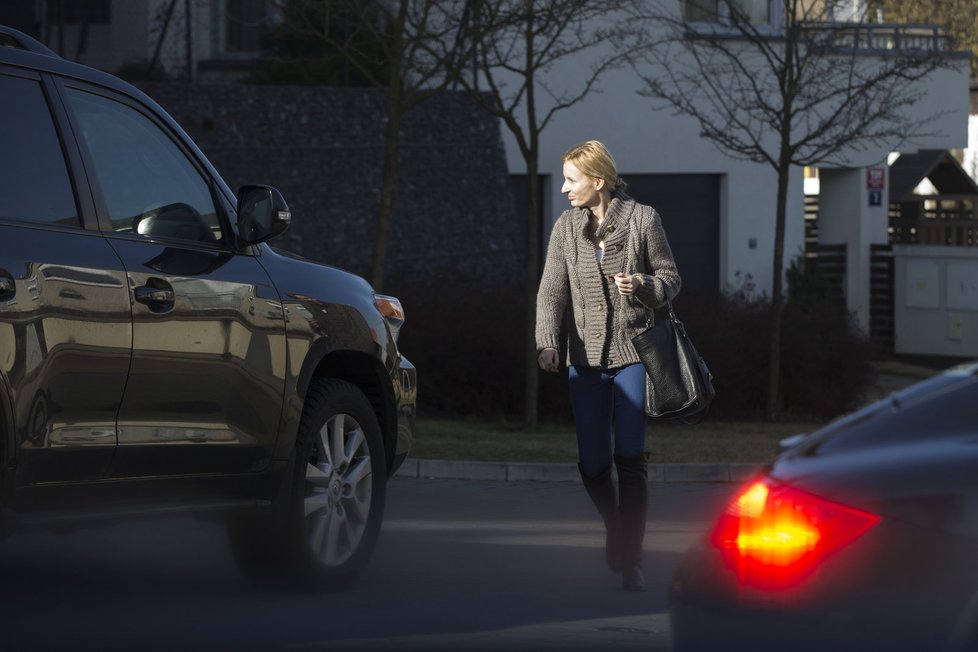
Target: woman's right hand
548, 360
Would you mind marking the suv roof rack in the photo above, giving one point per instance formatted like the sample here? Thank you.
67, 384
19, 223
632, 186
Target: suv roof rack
10, 37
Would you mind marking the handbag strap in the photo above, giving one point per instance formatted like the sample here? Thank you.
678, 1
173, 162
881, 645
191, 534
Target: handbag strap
674, 317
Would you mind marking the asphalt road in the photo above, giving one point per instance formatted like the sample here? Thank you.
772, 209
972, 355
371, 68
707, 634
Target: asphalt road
461, 565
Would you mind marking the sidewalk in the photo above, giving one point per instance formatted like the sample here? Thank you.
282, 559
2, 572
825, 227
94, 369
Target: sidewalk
893, 375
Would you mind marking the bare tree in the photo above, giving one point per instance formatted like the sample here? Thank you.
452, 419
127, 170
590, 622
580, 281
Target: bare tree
805, 86
385, 43
518, 43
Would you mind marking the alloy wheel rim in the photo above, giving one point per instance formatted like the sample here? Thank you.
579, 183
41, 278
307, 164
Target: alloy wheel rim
339, 489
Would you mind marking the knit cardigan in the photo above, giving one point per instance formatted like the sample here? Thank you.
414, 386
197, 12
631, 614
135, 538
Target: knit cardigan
604, 321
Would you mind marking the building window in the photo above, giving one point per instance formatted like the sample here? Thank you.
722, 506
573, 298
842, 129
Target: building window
244, 25
757, 12
701, 11
79, 12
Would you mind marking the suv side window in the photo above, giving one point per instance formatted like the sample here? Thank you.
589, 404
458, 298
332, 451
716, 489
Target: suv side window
34, 183
149, 185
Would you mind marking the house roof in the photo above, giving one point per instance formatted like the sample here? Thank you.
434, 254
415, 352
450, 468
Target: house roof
938, 165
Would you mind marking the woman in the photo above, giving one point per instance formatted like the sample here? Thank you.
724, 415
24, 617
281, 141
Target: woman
609, 259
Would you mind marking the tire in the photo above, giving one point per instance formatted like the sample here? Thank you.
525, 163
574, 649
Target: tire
337, 501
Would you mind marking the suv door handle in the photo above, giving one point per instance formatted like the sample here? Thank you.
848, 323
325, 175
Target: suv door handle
146, 294
156, 294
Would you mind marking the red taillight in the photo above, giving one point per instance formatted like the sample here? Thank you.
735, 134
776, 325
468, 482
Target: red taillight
774, 536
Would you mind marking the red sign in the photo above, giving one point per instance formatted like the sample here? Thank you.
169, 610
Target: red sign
875, 178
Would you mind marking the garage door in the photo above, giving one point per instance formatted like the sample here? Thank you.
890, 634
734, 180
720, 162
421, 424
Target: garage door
690, 208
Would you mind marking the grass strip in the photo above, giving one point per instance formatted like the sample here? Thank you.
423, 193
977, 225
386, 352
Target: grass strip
714, 441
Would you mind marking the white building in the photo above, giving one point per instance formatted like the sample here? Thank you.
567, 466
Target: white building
719, 212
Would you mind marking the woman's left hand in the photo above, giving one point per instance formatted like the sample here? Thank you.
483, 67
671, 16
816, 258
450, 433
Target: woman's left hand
628, 283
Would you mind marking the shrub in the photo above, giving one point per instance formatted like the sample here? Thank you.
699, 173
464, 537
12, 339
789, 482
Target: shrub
731, 333
825, 358
468, 347
467, 343
826, 361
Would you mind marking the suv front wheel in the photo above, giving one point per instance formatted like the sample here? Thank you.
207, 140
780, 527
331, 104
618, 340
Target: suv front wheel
337, 501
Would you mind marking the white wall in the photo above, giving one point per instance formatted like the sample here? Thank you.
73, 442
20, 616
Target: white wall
943, 109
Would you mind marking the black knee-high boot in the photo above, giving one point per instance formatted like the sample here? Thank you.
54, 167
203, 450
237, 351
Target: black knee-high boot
633, 498
601, 489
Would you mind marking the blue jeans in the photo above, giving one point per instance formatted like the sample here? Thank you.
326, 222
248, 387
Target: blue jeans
601, 398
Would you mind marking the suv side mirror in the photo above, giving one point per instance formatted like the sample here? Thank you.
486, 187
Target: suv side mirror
262, 214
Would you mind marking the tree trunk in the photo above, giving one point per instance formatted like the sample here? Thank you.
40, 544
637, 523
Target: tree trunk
531, 155
532, 369
159, 42
773, 406
392, 143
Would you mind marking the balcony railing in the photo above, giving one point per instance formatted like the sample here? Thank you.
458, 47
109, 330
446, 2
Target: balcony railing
849, 36
884, 36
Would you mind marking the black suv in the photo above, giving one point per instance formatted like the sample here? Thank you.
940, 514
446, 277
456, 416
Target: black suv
157, 357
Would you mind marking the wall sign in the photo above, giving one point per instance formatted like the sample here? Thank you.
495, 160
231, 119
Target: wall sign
875, 178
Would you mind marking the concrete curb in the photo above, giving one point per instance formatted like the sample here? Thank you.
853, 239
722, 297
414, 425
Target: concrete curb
543, 472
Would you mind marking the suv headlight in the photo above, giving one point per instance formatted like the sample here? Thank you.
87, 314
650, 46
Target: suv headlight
393, 312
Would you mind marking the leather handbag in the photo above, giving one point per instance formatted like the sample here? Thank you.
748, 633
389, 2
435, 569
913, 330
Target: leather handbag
678, 384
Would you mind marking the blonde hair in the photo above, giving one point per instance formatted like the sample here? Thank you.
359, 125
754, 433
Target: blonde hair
593, 159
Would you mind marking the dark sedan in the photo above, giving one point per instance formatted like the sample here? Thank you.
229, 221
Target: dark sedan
862, 535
